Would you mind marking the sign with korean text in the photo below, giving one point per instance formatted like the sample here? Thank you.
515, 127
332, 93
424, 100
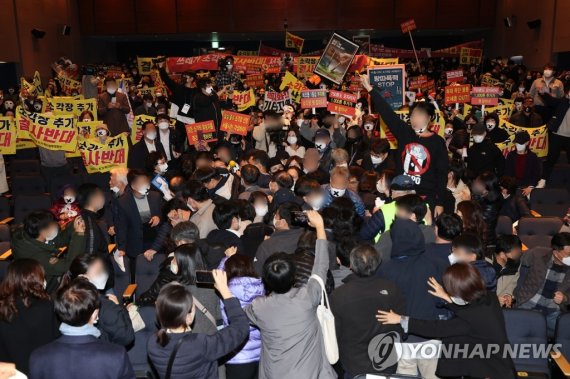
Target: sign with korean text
52, 132
342, 103
136, 129
485, 95
417, 81
538, 138
390, 80
201, 131
8, 135
454, 76
470, 56
144, 65
457, 94
408, 25
71, 105
314, 98
235, 123
305, 66
98, 157
294, 84
255, 80
244, 99
275, 101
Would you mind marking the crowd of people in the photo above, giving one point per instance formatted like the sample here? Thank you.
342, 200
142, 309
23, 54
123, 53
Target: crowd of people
402, 240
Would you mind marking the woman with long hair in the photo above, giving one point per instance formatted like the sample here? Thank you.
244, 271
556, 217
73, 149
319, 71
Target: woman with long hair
114, 321
472, 217
27, 317
485, 191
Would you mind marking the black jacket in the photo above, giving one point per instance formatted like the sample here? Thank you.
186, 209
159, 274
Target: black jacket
532, 170
485, 156
515, 207
490, 215
180, 94
207, 108
562, 106
352, 304
95, 241
481, 322
32, 327
387, 164
498, 135
114, 323
138, 153
222, 238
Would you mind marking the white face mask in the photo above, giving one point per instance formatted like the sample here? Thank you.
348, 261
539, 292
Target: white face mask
191, 207
150, 135
521, 89
163, 125
490, 126
69, 199
342, 165
101, 133
52, 235
566, 261
421, 130
149, 104
478, 138
115, 189
275, 221
143, 190
111, 90
261, 210
368, 126
341, 120
291, 140
376, 160
316, 202
520, 147
101, 281
230, 66
380, 186
547, 73
209, 90
337, 192
458, 301
174, 269
86, 120
452, 259
300, 122
45, 284
163, 167
448, 132
320, 146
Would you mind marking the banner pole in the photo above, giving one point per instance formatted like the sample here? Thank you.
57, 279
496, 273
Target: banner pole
414, 47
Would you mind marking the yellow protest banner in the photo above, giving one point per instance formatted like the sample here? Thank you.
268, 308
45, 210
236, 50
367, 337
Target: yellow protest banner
305, 66
437, 126
136, 130
295, 86
8, 134
244, 99
293, 41
382, 61
38, 83
52, 132
538, 138
98, 157
144, 65
81, 105
503, 111
85, 129
68, 85
22, 144
27, 88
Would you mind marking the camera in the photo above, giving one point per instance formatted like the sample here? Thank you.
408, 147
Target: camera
89, 70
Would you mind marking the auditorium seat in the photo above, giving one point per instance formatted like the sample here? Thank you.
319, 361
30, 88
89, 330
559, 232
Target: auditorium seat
538, 231
5, 235
560, 177
550, 201
27, 185
562, 338
4, 208
138, 352
147, 272
24, 167
527, 327
28, 154
24, 204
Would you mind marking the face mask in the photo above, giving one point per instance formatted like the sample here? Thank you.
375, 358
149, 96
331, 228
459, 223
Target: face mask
490, 126
52, 235
151, 135
521, 89
143, 190
520, 147
343, 165
518, 107
261, 210
148, 105
448, 132
69, 199
174, 269
209, 90
274, 222
101, 281
115, 189
527, 109
163, 167
368, 127
547, 73
291, 140
45, 284
321, 146
376, 160
341, 120
111, 91
300, 122
191, 207
458, 301
101, 133
230, 66
514, 263
452, 259
478, 138
163, 125
420, 131
379, 186
337, 192
316, 202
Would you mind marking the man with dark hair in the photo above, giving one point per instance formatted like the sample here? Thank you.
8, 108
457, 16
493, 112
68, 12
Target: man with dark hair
182, 94
280, 187
112, 106
41, 239
410, 207
379, 157
219, 185
146, 108
249, 176
227, 219
353, 302
310, 191
285, 237
202, 206
506, 262
184, 232
468, 248
544, 284
149, 142
484, 155
79, 353
447, 227
260, 159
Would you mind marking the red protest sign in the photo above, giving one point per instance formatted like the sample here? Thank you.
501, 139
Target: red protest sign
457, 94
255, 80
235, 123
416, 82
454, 76
314, 98
342, 103
408, 25
485, 96
201, 131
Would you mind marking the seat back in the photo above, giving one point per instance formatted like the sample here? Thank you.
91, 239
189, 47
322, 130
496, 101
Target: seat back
101, 179
550, 201
504, 226
27, 154
560, 177
527, 327
538, 231
138, 352
4, 207
58, 182
562, 334
20, 167
5, 235
27, 185
147, 272
24, 204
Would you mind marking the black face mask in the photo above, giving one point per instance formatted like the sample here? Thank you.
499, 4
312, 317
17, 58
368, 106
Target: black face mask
527, 109
513, 263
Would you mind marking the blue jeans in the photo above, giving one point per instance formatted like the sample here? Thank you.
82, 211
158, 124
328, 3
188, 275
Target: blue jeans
551, 319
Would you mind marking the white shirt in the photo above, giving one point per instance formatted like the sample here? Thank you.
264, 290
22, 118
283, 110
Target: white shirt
165, 141
150, 146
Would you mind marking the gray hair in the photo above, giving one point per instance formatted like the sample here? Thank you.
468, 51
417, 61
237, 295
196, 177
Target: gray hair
364, 260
